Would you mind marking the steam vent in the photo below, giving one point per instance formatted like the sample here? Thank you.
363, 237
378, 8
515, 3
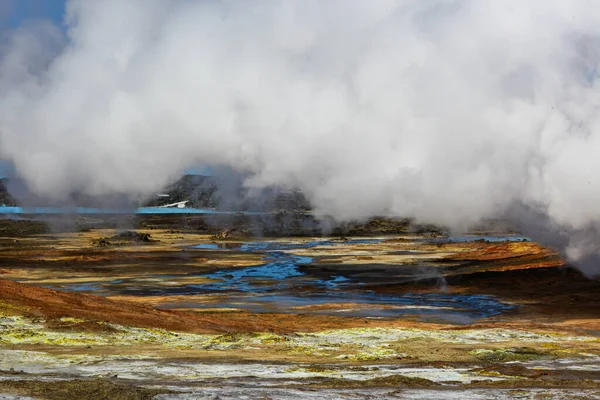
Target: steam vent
292, 199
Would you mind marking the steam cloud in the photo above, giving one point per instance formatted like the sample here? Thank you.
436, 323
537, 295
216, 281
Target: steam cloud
448, 111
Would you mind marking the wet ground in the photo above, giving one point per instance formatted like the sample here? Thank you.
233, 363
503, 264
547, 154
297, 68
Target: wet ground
187, 316
284, 282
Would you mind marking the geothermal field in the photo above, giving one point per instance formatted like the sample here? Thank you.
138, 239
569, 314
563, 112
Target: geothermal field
179, 307
299, 199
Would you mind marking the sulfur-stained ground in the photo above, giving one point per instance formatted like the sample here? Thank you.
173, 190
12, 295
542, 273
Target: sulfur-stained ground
398, 316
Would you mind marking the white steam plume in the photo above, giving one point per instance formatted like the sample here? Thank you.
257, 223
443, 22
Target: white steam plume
447, 111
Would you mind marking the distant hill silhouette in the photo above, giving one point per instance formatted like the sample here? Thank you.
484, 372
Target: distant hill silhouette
220, 193
5, 196
228, 194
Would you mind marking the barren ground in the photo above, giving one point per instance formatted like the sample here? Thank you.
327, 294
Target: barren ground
394, 316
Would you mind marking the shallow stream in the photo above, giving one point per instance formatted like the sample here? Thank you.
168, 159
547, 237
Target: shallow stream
289, 283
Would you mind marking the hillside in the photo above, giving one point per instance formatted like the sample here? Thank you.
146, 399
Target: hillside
5, 197
200, 191
208, 192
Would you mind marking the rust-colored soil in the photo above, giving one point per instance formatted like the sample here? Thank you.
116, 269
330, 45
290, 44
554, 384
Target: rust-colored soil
549, 294
508, 256
54, 304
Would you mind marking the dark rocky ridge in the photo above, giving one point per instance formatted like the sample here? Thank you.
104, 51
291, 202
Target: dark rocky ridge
5, 196
200, 192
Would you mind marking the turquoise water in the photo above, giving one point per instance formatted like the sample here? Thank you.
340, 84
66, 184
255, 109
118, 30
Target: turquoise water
207, 246
145, 210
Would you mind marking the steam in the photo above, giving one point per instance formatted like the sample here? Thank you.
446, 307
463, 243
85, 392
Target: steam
447, 111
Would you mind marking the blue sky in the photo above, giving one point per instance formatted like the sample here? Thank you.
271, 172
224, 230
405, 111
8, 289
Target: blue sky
6, 170
14, 13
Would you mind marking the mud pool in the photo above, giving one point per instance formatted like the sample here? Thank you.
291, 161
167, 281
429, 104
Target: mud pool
287, 283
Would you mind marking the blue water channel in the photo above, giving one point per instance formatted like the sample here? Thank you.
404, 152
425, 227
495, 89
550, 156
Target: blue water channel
145, 210
277, 273
266, 287
283, 283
